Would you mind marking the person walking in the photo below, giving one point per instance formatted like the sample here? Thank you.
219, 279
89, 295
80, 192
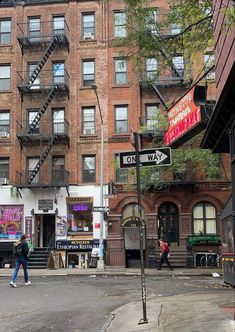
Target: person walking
20, 253
164, 255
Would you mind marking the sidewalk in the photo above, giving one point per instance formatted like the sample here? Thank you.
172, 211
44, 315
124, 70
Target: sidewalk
211, 312
116, 272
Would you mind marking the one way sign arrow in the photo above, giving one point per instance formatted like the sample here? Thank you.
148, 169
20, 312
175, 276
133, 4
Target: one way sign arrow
153, 157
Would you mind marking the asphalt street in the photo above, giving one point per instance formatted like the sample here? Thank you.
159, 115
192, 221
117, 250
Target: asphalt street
84, 303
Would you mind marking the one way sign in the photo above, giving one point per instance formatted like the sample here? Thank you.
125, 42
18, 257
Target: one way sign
153, 157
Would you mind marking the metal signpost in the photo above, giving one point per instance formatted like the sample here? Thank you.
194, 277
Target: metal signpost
153, 157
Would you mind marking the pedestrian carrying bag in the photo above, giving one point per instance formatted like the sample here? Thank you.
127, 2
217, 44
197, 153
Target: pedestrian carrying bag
18, 250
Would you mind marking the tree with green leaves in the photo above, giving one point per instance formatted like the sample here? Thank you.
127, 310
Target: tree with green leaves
150, 35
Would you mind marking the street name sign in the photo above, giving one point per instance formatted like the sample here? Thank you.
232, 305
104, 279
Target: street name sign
153, 157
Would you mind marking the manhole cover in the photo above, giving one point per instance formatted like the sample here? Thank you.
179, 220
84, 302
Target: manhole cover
115, 292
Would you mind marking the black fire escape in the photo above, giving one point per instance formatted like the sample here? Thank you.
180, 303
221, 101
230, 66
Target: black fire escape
43, 85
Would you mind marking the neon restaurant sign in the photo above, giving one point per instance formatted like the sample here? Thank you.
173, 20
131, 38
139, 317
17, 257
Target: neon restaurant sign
187, 117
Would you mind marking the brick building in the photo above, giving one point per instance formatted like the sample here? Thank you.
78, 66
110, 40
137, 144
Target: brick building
51, 52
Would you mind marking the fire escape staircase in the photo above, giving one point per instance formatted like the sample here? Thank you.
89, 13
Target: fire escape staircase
177, 72
43, 108
42, 159
42, 62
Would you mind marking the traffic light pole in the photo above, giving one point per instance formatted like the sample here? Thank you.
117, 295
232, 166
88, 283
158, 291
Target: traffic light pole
144, 320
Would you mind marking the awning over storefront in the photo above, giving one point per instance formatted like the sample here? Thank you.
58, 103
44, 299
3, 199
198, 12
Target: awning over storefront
216, 135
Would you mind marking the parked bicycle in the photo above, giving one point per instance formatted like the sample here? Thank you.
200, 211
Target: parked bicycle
210, 260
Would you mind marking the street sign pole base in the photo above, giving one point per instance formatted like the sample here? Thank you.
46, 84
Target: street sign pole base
142, 321
100, 265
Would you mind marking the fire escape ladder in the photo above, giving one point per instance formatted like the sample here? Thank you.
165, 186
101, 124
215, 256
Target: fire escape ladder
42, 159
43, 108
42, 62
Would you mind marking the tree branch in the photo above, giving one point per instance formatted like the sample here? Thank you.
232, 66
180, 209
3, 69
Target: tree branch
188, 28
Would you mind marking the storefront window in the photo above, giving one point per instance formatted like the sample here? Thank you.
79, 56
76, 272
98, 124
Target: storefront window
79, 215
11, 222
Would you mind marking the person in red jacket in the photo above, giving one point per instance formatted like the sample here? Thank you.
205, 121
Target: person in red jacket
164, 255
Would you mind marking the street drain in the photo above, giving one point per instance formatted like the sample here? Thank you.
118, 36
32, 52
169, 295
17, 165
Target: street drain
115, 292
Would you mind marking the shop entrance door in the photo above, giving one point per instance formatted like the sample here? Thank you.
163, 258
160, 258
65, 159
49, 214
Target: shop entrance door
168, 223
78, 260
49, 230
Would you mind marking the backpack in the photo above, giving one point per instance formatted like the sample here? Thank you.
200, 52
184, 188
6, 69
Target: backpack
18, 250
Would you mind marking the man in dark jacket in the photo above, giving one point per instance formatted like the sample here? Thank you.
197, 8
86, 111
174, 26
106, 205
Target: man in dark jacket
20, 253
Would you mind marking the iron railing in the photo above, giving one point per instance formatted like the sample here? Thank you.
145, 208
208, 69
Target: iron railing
45, 80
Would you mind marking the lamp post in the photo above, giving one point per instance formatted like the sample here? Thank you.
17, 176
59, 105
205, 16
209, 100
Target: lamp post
100, 264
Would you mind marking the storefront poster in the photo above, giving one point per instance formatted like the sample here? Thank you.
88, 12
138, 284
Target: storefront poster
11, 221
28, 227
61, 226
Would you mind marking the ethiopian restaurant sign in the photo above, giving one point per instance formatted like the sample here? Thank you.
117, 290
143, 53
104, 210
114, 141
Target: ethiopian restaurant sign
185, 120
11, 221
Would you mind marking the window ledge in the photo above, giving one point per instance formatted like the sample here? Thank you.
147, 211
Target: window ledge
6, 45
121, 86
86, 87
81, 40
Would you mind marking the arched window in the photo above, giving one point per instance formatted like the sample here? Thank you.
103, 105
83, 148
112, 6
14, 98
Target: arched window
204, 218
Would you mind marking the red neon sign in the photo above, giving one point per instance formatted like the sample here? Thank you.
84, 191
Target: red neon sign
183, 116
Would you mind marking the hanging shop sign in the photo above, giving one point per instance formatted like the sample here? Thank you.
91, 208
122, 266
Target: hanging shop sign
204, 239
187, 117
11, 221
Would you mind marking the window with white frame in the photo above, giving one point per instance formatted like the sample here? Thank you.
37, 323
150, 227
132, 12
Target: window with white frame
88, 120
209, 61
4, 170
120, 71
121, 173
119, 24
88, 167
151, 68
5, 32
4, 123
178, 66
121, 119
36, 82
175, 30
151, 20
88, 72
34, 26
58, 121
58, 169
58, 72
204, 218
31, 117
151, 114
31, 164
88, 25
5, 77
58, 25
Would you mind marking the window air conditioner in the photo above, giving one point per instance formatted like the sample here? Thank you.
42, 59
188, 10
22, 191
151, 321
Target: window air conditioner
88, 35
88, 131
4, 134
4, 180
